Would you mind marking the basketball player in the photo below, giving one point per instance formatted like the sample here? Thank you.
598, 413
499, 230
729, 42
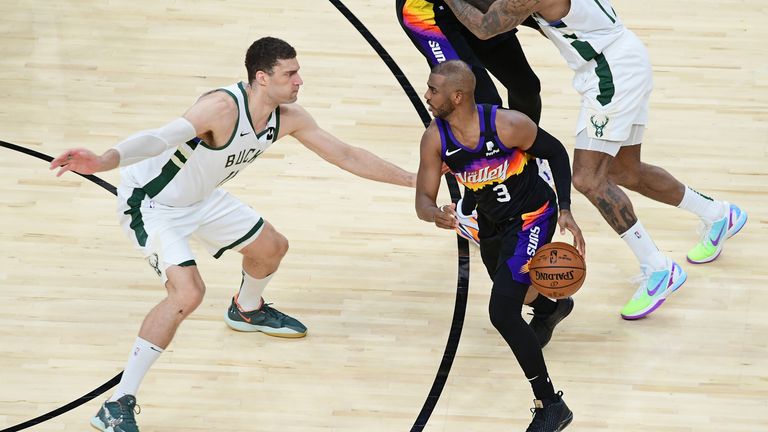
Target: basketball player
613, 76
491, 151
439, 36
169, 192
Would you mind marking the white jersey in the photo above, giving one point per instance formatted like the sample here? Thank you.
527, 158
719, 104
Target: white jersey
191, 172
588, 29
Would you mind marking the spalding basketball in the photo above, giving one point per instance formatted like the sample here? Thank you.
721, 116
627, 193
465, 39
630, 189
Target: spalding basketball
557, 270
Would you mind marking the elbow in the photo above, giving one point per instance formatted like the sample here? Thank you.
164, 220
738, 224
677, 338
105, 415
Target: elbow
419, 209
420, 212
483, 35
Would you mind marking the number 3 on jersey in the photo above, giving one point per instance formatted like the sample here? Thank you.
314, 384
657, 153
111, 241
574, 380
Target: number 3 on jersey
502, 193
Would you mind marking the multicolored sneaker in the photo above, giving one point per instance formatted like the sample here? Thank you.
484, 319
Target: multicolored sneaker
117, 416
468, 227
267, 320
713, 235
550, 415
654, 288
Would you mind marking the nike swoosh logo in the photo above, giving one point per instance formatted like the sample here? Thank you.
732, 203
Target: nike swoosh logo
716, 241
448, 153
244, 133
245, 318
658, 286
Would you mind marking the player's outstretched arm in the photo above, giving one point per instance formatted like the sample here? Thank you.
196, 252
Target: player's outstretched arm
84, 161
356, 160
198, 119
502, 16
428, 183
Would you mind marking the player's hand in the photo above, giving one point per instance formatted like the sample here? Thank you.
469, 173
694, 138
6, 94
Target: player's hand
79, 160
445, 216
567, 222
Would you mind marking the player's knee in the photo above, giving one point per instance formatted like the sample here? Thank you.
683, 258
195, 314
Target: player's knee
281, 245
503, 311
186, 298
586, 183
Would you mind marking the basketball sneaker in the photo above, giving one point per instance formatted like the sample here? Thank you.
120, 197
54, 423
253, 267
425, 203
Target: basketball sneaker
117, 416
550, 416
267, 320
654, 288
468, 226
714, 234
544, 325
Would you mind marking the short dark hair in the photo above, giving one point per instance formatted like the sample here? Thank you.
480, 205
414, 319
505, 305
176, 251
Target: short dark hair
458, 73
264, 54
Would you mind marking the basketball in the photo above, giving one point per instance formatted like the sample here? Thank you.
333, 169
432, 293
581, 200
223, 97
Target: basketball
557, 270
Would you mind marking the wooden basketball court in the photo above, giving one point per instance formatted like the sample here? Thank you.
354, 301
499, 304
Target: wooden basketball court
375, 285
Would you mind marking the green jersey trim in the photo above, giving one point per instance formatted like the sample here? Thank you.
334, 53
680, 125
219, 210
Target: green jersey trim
134, 210
603, 70
605, 83
248, 235
613, 20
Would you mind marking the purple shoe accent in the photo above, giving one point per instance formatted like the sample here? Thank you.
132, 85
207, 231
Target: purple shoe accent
716, 241
730, 217
644, 314
682, 277
658, 285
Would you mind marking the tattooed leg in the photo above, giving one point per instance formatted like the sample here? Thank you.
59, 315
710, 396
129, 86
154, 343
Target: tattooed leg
590, 177
648, 180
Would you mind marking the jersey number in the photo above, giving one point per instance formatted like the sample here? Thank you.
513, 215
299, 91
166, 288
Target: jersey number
229, 177
502, 194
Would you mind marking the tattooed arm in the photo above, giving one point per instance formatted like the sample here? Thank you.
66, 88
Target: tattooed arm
502, 16
481, 5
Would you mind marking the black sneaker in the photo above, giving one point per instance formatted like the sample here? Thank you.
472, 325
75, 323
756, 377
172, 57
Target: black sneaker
267, 320
544, 325
117, 416
550, 416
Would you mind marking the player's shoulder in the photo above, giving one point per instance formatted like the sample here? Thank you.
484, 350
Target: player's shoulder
293, 110
510, 116
432, 130
515, 128
213, 111
295, 118
217, 100
431, 136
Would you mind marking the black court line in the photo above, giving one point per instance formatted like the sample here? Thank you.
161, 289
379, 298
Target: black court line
462, 284
70, 406
103, 183
110, 383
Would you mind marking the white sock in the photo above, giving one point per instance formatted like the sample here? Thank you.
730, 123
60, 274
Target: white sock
142, 356
643, 247
701, 205
251, 289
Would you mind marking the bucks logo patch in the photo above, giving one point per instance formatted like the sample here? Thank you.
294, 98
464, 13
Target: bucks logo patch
598, 122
